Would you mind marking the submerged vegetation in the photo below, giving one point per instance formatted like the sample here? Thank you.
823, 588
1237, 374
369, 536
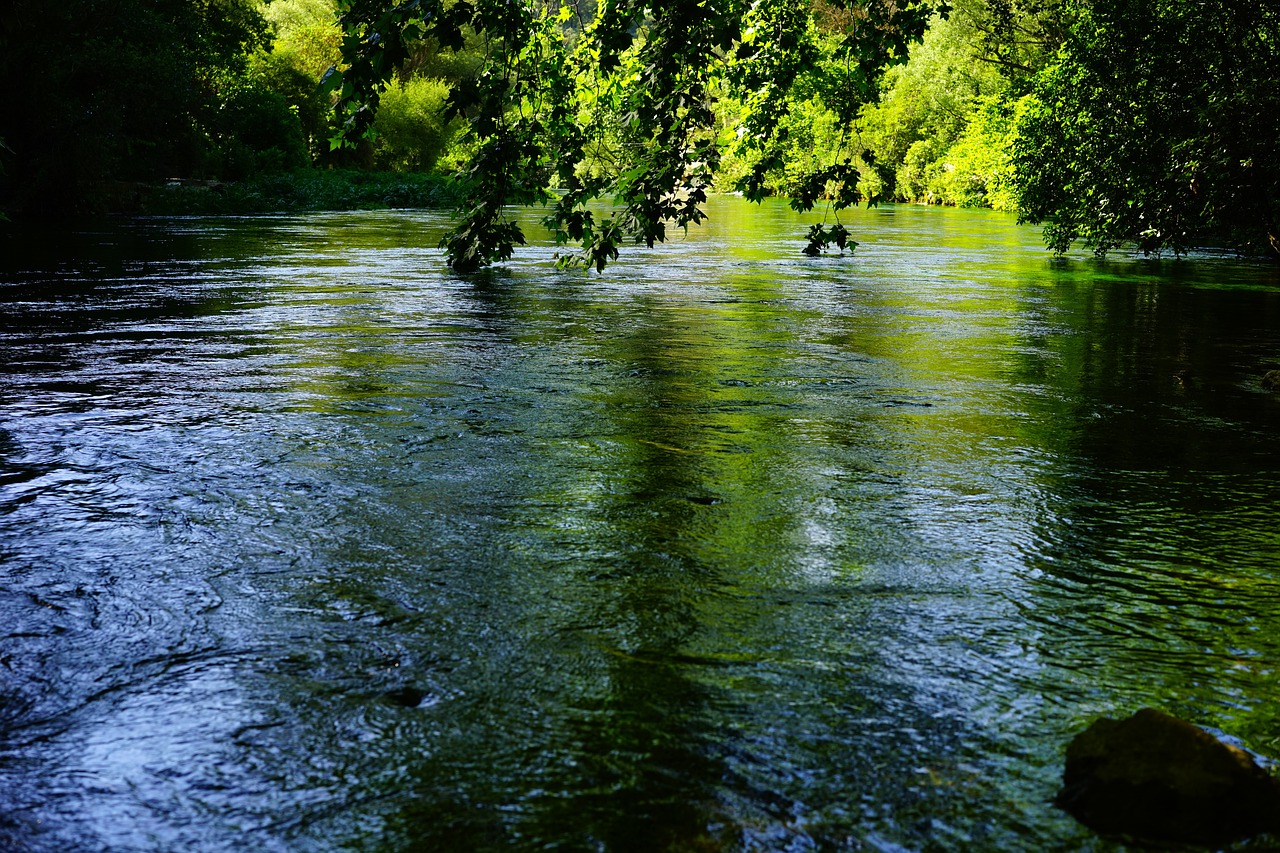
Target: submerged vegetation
1147, 124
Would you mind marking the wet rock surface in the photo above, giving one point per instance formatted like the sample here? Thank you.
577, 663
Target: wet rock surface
1156, 777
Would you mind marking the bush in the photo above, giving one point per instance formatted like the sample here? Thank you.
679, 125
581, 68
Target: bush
410, 130
255, 131
977, 170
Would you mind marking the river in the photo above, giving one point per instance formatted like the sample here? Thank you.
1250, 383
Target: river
308, 545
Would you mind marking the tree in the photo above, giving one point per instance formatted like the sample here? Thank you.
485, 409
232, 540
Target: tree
927, 103
1157, 126
96, 92
1015, 36
636, 87
304, 45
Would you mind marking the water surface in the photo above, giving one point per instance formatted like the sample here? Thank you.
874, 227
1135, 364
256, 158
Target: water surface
306, 544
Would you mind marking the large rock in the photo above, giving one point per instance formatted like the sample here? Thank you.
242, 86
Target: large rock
1156, 777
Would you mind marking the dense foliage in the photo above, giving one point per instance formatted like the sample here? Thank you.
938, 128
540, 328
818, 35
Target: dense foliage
1158, 124
1147, 122
626, 101
942, 130
104, 100
98, 91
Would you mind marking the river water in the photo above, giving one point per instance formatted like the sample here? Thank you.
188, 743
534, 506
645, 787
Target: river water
306, 544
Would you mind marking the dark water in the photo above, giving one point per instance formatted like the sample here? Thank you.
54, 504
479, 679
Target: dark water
307, 545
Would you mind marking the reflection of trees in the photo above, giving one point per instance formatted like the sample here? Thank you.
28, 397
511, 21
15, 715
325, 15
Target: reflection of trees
766, 444
546, 517
1152, 353
646, 742
1157, 536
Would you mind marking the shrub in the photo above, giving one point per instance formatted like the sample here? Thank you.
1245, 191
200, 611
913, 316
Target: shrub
410, 130
977, 170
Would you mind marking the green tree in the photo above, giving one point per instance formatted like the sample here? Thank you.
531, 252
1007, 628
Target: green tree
941, 129
644, 79
977, 169
253, 130
1157, 127
1017, 37
96, 92
926, 104
305, 43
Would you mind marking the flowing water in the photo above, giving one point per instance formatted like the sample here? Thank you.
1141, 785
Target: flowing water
306, 544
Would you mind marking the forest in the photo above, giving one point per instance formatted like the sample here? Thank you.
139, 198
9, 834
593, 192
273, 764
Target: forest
709, 425
1148, 124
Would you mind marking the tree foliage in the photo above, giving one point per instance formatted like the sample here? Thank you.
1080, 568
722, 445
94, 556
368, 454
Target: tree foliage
1017, 37
621, 99
305, 43
97, 91
411, 129
941, 131
1145, 121
1157, 126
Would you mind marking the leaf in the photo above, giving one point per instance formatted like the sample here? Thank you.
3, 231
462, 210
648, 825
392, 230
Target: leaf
331, 79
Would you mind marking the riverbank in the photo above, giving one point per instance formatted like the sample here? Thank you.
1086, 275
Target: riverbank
284, 192
305, 190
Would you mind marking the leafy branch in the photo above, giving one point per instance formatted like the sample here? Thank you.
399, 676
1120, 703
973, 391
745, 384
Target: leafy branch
625, 105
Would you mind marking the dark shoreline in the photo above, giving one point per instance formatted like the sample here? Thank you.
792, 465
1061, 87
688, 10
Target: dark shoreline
283, 192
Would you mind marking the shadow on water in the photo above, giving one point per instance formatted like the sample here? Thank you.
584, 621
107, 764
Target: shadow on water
631, 758
1161, 526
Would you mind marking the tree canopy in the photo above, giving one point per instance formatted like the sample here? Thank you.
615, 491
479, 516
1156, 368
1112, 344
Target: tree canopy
1158, 124
99, 91
627, 99
1145, 122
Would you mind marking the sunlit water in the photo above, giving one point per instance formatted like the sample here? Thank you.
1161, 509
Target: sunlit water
306, 544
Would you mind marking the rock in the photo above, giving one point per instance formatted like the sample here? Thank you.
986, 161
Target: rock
1155, 777
1271, 380
407, 696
